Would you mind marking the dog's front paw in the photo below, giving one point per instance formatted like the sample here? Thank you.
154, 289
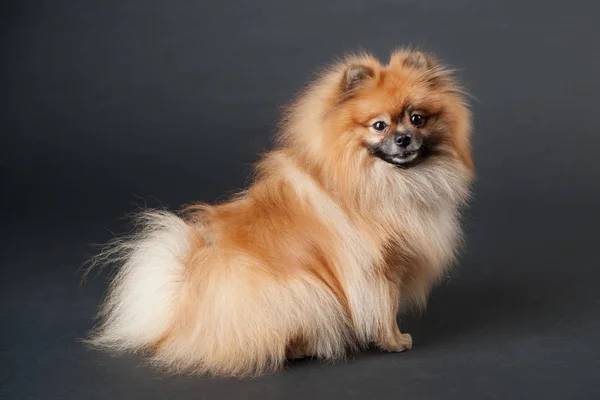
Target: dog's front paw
399, 343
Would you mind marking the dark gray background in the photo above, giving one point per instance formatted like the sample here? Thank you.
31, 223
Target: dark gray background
113, 104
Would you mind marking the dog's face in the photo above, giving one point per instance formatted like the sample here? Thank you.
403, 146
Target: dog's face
403, 113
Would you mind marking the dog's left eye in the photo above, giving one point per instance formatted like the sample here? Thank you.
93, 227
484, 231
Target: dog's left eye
380, 126
417, 120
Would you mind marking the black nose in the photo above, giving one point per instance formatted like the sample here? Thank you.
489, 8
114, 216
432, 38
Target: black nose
403, 140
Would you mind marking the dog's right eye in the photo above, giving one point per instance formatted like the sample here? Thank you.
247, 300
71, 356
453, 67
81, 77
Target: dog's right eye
380, 126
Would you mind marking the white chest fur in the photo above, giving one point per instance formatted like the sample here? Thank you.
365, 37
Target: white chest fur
423, 204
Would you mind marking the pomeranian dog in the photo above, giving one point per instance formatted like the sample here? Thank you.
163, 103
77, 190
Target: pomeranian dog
351, 218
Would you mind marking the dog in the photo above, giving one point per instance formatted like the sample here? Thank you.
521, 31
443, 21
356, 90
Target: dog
351, 218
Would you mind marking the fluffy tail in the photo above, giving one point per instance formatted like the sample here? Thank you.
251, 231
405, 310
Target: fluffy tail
139, 307
173, 295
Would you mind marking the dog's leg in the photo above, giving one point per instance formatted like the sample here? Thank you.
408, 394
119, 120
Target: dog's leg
390, 338
393, 340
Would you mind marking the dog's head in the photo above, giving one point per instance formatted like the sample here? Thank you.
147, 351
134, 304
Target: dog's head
402, 113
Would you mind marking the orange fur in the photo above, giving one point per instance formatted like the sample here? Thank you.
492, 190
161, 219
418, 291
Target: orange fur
317, 256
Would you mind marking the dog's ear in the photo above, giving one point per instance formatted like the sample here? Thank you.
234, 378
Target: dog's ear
414, 59
355, 76
433, 72
418, 59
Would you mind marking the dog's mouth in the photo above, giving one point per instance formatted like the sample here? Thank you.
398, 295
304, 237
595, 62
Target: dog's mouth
402, 158
405, 157
400, 150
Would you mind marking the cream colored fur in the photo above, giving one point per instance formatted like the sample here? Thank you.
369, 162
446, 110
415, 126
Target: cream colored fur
193, 299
